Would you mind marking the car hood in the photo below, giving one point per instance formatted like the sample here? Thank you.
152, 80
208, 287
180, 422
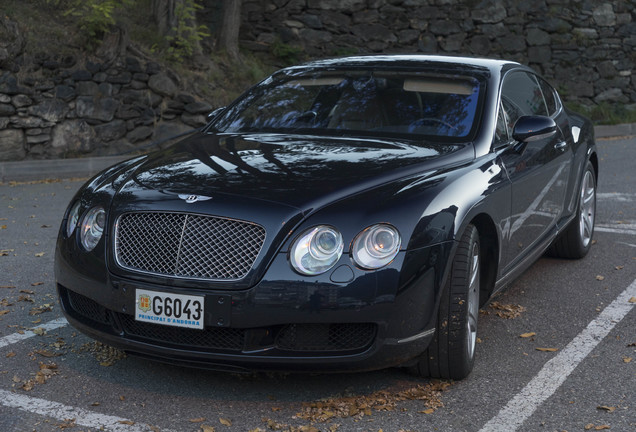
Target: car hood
304, 172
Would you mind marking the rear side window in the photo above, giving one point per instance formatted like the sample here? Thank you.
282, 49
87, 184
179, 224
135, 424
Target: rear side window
521, 90
549, 94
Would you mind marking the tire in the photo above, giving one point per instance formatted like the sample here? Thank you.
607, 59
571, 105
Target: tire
451, 354
576, 239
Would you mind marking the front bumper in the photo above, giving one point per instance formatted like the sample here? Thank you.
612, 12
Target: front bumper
285, 322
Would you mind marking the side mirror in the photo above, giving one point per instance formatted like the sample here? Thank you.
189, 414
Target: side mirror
533, 128
214, 114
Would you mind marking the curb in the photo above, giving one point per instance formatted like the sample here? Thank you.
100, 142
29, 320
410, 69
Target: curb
34, 170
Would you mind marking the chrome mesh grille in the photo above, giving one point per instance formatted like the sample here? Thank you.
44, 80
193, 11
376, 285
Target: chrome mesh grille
187, 245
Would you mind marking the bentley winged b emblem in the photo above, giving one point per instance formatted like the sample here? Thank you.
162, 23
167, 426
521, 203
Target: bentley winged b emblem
194, 198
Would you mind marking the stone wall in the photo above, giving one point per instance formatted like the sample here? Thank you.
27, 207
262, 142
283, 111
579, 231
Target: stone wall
58, 108
587, 48
64, 107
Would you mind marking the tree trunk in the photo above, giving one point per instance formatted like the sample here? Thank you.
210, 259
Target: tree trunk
164, 16
229, 34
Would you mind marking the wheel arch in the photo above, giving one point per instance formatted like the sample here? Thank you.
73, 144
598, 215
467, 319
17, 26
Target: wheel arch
489, 254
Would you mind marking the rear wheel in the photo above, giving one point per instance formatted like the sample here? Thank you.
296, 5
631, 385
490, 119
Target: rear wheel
576, 240
451, 353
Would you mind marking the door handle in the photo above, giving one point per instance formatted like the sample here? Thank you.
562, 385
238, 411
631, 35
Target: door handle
561, 145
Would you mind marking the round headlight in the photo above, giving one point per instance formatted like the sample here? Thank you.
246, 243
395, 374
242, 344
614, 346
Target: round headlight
316, 250
376, 246
73, 217
92, 227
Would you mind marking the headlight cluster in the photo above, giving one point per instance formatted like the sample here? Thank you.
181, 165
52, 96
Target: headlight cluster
317, 249
91, 227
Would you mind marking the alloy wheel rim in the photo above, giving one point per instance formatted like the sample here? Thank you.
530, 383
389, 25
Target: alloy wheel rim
473, 300
588, 208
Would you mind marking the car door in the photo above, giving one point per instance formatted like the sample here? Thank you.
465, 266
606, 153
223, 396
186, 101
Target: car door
538, 170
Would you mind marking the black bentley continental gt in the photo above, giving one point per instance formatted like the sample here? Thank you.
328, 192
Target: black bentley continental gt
346, 214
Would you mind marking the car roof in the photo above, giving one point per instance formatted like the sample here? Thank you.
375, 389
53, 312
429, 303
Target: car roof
406, 61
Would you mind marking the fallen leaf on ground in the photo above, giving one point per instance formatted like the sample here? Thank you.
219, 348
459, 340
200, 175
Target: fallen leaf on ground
547, 349
4, 312
507, 311
627, 359
632, 300
37, 283
126, 422
197, 420
27, 291
7, 286
606, 408
602, 427
39, 331
600, 278
40, 254
10, 354
225, 422
619, 267
427, 411
68, 423
527, 335
206, 428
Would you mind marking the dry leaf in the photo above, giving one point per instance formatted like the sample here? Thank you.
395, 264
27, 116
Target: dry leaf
39, 254
37, 283
427, 411
627, 359
599, 277
547, 349
602, 427
527, 335
39, 331
197, 420
27, 291
3, 227
16, 379
619, 267
632, 300
10, 354
206, 428
606, 408
4, 312
122, 398
95, 404
126, 422
7, 286
507, 311
225, 422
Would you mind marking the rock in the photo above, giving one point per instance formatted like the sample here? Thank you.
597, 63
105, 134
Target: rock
311, 20
198, 108
194, 120
81, 75
5, 98
52, 110
536, 36
65, 92
606, 69
38, 139
86, 88
480, 45
20, 101
133, 64
409, 36
513, 43
96, 108
185, 98
123, 77
313, 37
72, 136
162, 84
376, 32
111, 131
604, 15
610, 95
139, 134
29, 122
489, 12
6, 109
12, 145
4, 122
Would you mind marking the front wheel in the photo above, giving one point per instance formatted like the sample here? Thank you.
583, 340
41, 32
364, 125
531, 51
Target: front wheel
576, 240
451, 354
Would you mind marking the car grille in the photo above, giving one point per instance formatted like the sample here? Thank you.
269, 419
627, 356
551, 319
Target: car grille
217, 338
325, 337
289, 338
187, 245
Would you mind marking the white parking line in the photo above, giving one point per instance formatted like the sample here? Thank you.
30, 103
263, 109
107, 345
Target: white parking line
554, 372
17, 337
63, 412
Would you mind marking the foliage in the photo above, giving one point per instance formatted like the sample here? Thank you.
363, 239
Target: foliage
289, 54
95, 17
605, 112
186, 34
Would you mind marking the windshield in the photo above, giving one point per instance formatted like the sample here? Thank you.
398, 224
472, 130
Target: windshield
379, 103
